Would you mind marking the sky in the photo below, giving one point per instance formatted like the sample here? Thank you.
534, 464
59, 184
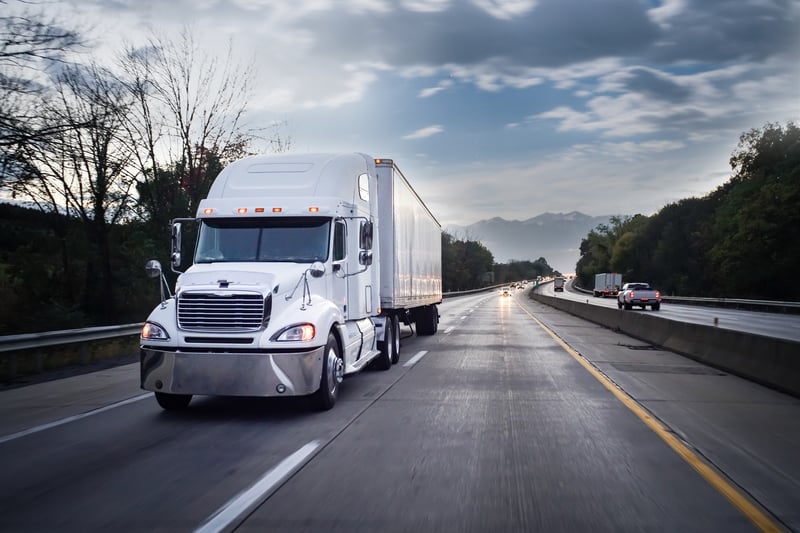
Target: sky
503, 108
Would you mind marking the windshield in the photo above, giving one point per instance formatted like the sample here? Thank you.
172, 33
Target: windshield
291, 240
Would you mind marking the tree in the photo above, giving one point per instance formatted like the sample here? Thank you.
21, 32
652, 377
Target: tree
464, 264
28, 42
187, 121
755, 247
597, 250
86, 169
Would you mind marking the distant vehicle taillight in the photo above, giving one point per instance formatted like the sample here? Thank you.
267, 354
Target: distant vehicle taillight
632, 295
658, 294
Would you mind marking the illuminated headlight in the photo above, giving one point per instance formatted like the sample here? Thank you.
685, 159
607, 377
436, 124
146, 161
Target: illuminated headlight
153, 332
299, 332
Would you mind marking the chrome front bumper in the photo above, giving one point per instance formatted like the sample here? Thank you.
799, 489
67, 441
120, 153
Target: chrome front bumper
231, 374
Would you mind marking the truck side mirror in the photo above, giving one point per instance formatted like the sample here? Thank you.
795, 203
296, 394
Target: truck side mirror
176, 245
153, 269
317, 269
365, 236
365, 258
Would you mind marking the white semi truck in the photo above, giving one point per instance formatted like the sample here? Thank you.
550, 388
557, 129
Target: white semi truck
304, 268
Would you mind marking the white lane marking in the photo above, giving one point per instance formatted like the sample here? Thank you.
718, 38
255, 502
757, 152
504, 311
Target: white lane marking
448, 330
416, 358
244, 503
37, 429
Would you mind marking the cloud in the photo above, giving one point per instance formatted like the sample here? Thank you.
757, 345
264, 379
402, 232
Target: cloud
424, 132
647, 81
430, 91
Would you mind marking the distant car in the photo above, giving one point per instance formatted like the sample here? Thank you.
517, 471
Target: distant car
506, 291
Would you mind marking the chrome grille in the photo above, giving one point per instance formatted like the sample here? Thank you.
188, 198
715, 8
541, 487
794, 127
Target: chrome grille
199, 311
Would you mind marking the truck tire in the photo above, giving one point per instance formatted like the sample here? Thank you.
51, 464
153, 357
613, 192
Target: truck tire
396, 352
386, 346
656, 307
619, 304
628, 306
173, 402
427, 319
332, 375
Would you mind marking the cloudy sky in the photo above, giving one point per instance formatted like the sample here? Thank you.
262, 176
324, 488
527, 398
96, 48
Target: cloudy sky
505, 108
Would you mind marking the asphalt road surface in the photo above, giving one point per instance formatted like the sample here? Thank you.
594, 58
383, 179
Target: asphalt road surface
513, 417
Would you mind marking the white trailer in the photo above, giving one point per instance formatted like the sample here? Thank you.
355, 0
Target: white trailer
303, 269
607, 284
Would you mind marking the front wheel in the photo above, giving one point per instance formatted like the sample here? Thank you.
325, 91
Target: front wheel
173, 402
332, 375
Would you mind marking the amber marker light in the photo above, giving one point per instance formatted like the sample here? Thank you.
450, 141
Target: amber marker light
313, 209
259, 209
208, 211
277, 209
241, 210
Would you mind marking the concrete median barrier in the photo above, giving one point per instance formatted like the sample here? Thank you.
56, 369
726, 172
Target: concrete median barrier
767, 360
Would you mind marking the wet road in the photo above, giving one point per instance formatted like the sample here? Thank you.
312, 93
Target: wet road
514, 417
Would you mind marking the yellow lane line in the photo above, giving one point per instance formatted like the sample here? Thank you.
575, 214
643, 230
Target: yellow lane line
735, 496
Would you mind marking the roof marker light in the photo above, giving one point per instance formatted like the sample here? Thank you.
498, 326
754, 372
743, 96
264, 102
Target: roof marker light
259, 209
241, 210
277, 209
208, 211
313, 209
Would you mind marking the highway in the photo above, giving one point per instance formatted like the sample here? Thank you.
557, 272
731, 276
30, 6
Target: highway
785, 326
513, 417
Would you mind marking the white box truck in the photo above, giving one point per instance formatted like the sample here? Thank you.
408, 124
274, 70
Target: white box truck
303, 269
607, 284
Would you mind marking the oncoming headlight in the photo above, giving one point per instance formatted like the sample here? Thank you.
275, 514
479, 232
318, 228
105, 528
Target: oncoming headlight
153, 332
298, 332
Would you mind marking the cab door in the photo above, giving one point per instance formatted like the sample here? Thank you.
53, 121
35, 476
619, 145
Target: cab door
340, 266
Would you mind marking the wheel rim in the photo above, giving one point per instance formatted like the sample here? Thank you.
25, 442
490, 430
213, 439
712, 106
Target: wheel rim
396, 338
335, 370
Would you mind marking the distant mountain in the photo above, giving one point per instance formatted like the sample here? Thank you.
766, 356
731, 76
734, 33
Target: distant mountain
554, 236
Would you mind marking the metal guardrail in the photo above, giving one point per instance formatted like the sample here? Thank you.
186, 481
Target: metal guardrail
27, 341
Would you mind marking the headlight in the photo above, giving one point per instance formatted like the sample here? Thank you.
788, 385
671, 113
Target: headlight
299, 332
153, 332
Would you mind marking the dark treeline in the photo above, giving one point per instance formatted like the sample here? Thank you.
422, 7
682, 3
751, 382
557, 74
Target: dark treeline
739, 241
48, 281
468, 265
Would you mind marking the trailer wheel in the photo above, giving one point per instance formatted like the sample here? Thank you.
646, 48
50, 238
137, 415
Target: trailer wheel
384, 360
427, 320
396, 352
332, 375
173, 402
